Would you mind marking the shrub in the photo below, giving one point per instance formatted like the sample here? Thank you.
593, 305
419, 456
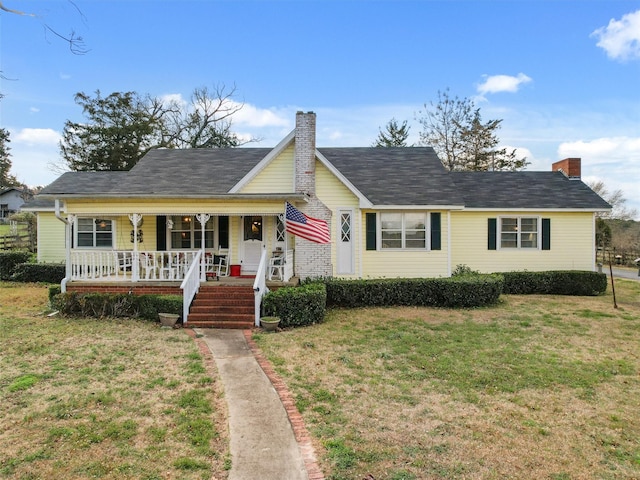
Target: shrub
39, 272
8, 262
461, 291
102, 305
569, 282
297, 306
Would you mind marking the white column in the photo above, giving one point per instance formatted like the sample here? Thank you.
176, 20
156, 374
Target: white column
203, 218
135, 219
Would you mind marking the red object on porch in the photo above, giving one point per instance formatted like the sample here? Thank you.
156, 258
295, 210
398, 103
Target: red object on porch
235, 270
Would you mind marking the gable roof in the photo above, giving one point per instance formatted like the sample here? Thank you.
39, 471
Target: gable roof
391, 177
525, 190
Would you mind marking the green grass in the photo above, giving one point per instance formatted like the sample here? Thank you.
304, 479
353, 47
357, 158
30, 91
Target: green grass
535, 387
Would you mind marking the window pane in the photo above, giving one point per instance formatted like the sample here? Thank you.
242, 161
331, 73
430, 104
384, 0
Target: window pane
509, 224
529, 224
414, 221
392, 239
85, 239
509, 240
103, 239
391, 221
85, 225
345, 227
280, 231
415, 239
103, 225
529, 240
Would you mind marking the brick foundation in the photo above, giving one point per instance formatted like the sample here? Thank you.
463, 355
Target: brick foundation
125, 288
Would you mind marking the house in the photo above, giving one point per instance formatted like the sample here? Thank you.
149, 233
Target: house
391, 212
10, 202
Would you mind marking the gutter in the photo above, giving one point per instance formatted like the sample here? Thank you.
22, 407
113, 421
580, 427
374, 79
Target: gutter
67, 235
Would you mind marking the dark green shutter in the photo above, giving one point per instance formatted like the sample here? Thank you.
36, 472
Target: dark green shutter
371, 231
436, 242
493, 234
161, 232
223, 232
546, 234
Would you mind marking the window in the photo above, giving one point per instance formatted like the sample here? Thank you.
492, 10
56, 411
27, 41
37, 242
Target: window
186, 233
252, 228
94, 233
403, 230
519, 232
345, 227
280, 230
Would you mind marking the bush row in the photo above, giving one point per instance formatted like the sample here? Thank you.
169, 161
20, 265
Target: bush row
555, 283
460, 291
39, 272
297, 306
102, 305
8, 262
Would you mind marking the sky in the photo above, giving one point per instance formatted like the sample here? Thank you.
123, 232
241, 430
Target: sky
562, 75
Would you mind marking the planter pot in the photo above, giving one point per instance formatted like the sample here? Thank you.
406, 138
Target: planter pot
270, 324
168, 319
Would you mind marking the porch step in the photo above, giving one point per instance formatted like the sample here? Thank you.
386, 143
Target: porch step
223, 306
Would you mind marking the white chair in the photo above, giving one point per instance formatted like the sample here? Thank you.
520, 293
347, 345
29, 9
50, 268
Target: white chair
148, 266
221, 265
276, 268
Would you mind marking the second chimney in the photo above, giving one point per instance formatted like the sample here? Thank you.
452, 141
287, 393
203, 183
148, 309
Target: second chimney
569, 166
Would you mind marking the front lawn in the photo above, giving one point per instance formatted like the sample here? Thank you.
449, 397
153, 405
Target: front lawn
544, 387
108, 399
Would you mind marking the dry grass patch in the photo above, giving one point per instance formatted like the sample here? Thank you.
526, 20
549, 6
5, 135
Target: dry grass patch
106, 399
536, 387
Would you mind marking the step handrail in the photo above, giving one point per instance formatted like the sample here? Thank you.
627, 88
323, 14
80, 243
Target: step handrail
260, 285
190, 285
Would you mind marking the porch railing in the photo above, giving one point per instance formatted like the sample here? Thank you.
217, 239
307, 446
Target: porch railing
119, 265
260, 286
190, 285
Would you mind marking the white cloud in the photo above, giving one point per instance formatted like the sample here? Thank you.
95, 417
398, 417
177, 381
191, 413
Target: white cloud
36, 136
502, 83
65, 76
251, 116
621, 38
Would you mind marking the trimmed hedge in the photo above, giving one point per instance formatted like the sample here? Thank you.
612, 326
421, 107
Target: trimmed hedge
8, 262
101, 305
39, 272
460, 291
297, 306
559, 282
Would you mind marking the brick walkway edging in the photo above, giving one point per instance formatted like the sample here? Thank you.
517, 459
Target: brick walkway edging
295, 418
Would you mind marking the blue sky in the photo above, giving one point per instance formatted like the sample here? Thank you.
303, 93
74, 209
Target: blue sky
564, 75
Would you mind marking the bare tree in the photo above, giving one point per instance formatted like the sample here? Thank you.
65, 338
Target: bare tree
616, 199
76, 43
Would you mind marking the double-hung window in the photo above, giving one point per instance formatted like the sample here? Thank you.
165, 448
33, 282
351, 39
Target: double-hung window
403, 230
186, 233
94, 233
519, 232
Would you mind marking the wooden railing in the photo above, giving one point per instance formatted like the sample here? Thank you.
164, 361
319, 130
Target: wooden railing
190, 285
260, 286
109, 265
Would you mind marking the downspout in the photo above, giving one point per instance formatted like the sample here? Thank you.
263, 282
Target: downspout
67, 241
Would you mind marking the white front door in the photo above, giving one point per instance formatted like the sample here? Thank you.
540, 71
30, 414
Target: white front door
252, 243
345, 242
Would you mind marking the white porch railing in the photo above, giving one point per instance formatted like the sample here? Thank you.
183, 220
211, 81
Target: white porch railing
127, 265
260, 285
190, 285
288, 265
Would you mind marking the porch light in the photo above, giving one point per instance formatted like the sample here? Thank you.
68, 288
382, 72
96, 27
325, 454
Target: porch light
186, 219
101, 223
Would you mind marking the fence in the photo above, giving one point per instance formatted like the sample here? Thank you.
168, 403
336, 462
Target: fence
17, 235
617, 257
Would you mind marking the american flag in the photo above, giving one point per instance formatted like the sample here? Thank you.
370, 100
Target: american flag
312, 229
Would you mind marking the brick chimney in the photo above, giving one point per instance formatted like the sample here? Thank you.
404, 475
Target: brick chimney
569, 166
305, 153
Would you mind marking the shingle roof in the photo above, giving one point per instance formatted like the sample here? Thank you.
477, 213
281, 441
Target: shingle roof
395, 176
525, 190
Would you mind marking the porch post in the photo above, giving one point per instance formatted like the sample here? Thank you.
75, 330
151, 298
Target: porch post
135, 218
203, 218
71, 219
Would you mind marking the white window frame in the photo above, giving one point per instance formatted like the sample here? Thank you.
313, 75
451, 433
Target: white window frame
519, 232
403, 231
195, 232
94, 232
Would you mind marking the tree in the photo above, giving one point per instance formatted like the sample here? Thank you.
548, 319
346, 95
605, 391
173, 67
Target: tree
454, 128
122, 127
616, 199
6, 179
76, 43
393, 136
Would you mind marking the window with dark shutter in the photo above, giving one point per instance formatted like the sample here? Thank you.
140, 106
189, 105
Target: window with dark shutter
436, 235
493, 233
371, 231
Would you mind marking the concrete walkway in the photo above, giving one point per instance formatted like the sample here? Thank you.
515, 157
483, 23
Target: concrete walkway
263, 444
